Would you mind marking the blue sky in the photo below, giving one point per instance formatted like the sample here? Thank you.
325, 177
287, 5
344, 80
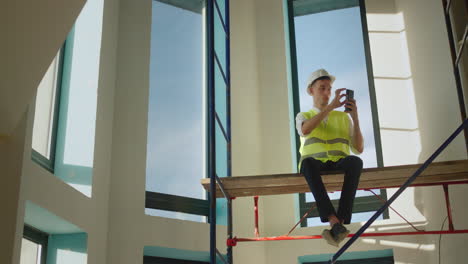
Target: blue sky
333, 40
82, 104
175, 140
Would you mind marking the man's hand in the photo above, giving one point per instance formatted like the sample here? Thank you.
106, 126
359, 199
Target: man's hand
351, 104
357, 140
335, 103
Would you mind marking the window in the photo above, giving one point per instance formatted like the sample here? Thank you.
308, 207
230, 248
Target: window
46, 114
33, 246
180, 114
176, 122
333, 35
60, 240
158, 260
66, 103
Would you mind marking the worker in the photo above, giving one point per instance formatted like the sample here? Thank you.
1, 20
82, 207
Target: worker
327, 135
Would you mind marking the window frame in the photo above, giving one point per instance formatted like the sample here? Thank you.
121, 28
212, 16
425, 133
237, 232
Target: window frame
37, 236
177, 203
49, 163
377, 260
360, 203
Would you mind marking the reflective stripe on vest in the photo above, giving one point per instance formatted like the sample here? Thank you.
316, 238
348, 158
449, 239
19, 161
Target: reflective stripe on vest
322, 155
328, 141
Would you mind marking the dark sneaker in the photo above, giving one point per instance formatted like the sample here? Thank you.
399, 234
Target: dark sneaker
339, 233
326, 234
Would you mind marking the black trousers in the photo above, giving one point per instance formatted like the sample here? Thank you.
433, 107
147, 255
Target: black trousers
352, 166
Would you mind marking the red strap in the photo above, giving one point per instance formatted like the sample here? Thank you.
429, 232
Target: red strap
302, 219
380, 198
256, 232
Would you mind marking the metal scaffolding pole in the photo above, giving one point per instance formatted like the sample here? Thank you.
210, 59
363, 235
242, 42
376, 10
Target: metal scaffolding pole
402, 188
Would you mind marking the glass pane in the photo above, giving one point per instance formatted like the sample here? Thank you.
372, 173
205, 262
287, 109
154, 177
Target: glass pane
82, 99
220, 97
357, 217
177, 215
220, 103
75, 145
30, 252
221, 171
306, 7
68, 248
45, 110
333, 40
175, 151
220, 41
222, 8
221, 153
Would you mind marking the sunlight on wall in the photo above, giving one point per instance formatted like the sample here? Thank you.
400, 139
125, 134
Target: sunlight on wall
83, 188
394, 89
399, 244
396, 103
385, 22
395, 225
70, 257
425, 247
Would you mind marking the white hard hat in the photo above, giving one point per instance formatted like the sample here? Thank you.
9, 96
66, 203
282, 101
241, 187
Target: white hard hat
317, 74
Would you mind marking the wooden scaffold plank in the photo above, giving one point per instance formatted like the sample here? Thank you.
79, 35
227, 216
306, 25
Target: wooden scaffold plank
373, 178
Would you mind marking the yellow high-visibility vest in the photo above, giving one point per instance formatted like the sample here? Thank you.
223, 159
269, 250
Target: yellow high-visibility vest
328, 141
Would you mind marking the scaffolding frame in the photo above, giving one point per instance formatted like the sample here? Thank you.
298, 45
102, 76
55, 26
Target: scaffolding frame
213, 117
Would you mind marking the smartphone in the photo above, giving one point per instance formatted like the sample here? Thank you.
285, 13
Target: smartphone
349, 95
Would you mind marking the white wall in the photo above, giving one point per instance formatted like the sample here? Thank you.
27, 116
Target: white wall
25, 57
433, 81
32, 33
246, 128
438, 114
393, 84
11, 153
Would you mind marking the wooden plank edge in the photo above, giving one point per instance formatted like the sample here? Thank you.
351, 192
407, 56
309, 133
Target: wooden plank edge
332, 187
